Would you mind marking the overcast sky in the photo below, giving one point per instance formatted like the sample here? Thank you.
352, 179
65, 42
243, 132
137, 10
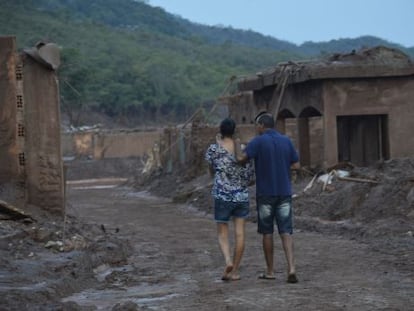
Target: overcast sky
298, 21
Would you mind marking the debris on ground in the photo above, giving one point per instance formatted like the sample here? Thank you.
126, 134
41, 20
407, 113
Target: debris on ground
374, 205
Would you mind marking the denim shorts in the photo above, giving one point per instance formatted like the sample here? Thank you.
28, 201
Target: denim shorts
271, 209
224, 210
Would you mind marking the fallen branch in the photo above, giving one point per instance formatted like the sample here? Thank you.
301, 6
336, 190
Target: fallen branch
328, 179
307, 171
359, 180
10, 212
310, 184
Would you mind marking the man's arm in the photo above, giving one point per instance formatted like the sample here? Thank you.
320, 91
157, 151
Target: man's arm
295, 166
242, 159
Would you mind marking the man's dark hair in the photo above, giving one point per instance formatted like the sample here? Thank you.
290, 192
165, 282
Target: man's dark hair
266, 119
227, 127
259, 115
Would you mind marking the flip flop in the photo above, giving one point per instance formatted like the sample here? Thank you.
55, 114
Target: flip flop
264, 276
292, 278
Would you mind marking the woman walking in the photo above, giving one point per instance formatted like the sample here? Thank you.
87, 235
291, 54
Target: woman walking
231, 198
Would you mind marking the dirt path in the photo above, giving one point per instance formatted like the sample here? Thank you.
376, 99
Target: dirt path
176, 263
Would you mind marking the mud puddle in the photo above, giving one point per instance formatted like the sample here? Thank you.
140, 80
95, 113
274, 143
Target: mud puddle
143, 295
101, 183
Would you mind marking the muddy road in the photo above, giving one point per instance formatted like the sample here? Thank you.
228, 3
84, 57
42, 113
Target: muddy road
175, 263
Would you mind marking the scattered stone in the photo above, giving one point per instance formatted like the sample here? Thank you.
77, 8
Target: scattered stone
77, 242
126, 306
55, 245
40, 234
410, 196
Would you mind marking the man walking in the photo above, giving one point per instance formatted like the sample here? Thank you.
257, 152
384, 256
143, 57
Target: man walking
274, 156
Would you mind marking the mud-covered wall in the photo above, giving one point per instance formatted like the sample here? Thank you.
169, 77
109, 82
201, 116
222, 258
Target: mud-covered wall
115, 145
245, 132
289, 102
184, 149
393, 97
109, 144
298, 108
202, 136
298, 97
11, 169
316, 141
30, 157
240, 108
42, 136
8, 150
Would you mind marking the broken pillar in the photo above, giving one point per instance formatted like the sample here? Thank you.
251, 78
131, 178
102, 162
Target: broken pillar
30, 150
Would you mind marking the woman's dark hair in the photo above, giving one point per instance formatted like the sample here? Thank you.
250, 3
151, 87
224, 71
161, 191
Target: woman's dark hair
227, 127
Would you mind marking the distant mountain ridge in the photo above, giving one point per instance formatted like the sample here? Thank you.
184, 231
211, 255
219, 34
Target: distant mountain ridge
137, 62
219, 35
140, 15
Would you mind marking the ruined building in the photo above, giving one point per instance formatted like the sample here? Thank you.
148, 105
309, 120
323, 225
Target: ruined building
30, 154
356, 107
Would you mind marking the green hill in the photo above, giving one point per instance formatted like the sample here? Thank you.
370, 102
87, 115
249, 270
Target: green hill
128, 59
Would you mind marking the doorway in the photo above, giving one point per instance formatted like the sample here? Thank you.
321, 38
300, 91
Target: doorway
362, 139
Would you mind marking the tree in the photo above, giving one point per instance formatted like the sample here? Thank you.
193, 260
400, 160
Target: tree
74, 79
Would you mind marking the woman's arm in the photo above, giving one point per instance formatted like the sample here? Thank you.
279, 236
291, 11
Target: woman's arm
240, 155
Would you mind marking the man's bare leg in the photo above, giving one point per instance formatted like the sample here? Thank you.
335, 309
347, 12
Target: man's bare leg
223, 238
268, 253
287, 243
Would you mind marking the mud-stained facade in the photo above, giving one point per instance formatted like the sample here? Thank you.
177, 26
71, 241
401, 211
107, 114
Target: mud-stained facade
12, 179
203, 135
30, 154
101, 144
165, 149
240, 107
355, 107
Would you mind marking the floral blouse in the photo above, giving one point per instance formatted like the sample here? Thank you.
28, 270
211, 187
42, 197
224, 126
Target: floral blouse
230, 178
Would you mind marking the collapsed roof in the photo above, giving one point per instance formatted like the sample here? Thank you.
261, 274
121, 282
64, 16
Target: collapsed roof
378, 61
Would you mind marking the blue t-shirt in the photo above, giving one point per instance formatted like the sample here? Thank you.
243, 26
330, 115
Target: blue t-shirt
273, 155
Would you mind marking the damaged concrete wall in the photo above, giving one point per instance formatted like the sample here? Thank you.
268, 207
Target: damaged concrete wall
45, 182
298, 98
109, 144
240, 107
184, 149
120, 145
364, 99
245, 132
316, 141
169, 149
11, 169
31, 164
391, 97
83, 144
174, 148
387, 96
